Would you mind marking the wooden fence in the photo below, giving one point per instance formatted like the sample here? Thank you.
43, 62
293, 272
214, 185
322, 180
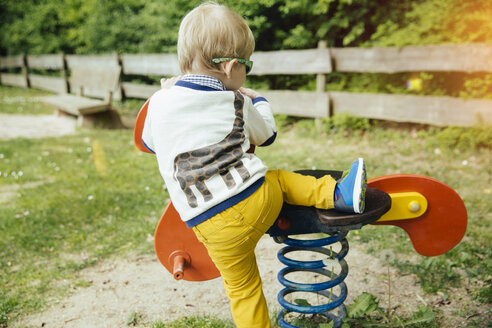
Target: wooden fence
435, 110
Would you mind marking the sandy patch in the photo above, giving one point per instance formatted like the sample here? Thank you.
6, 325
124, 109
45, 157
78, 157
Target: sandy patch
35, 126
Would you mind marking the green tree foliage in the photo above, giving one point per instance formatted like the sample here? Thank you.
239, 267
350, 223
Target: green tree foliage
301, 23
151, 26
133, 26
90, 26
101, 26
435, 22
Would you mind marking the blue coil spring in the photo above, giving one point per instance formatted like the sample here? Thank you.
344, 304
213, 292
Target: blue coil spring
318, 267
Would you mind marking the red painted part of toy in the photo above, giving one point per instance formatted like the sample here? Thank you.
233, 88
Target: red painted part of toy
442, 226
179, 251
139, 124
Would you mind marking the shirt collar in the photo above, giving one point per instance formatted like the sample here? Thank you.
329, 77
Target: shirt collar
204, 80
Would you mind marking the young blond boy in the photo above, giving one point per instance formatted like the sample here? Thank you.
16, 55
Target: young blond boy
200, 129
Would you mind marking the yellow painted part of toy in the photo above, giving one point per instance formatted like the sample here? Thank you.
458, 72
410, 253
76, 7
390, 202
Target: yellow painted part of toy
404, 206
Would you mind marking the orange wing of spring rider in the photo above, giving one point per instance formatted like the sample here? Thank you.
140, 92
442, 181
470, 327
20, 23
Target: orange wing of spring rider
179, 251
441, 226
138, 129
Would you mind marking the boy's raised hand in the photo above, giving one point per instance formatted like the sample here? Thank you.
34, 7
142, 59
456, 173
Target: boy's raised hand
250, 93
167, 83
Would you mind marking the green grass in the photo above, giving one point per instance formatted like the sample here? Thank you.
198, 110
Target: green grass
366, 312
129, 107
194, 321
77, 204
23, 101
77, 215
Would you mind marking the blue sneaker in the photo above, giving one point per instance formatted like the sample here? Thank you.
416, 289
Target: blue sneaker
350, 191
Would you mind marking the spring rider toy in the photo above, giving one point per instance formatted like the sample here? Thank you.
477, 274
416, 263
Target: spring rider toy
432, 214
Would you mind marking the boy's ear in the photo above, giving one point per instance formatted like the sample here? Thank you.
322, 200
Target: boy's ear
228, 66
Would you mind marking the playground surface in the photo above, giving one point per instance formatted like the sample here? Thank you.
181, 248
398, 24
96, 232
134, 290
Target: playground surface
139, 283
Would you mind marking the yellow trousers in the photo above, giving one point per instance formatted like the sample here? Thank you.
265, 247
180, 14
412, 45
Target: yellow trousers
231, 237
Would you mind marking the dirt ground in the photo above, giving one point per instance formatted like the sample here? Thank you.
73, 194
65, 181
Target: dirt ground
141, 284
121, 286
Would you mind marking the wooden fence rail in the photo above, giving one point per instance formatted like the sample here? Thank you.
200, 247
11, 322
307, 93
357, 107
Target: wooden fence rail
440, 111
48, 62
468, 58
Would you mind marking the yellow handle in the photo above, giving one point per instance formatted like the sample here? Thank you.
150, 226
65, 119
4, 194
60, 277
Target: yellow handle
404, 206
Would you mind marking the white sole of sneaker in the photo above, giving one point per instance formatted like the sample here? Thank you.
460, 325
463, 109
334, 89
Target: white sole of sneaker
358, 182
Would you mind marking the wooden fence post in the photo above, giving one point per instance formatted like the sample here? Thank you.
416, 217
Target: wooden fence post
24, 69
120, 84
321, 87
321, 78
64, 73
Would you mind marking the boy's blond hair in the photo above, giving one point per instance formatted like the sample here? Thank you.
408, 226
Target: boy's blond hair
212, 31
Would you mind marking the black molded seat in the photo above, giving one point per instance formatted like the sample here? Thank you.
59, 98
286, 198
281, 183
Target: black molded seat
296, 220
